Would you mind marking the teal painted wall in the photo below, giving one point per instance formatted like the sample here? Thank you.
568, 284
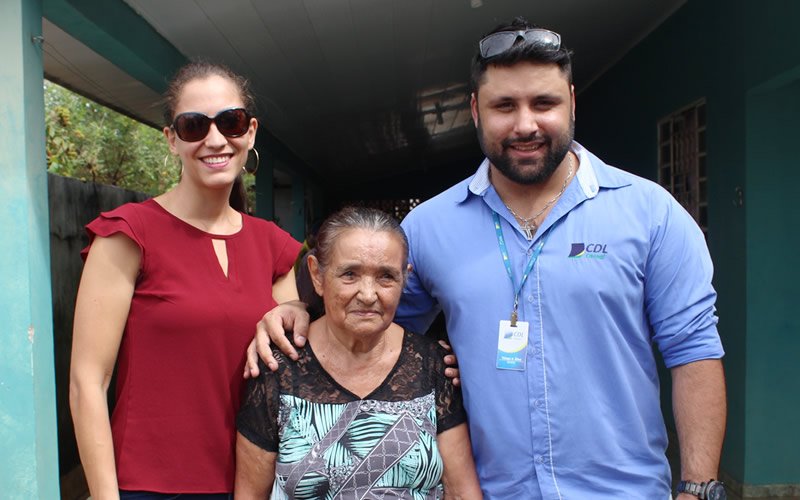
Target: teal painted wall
275, 153
773, 343
265, 199
772, 51
28, 441
720, 50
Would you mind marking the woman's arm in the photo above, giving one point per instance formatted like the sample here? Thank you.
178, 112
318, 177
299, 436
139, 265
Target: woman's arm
460, 479
101, 310
285, 289
255, 470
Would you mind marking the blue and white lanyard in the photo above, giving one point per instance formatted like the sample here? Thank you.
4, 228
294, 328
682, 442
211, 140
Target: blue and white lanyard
507, 262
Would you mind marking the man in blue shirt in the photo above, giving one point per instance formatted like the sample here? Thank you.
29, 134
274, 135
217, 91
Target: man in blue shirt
556, 274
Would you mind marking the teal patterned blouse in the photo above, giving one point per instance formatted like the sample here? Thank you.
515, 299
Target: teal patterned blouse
333, 444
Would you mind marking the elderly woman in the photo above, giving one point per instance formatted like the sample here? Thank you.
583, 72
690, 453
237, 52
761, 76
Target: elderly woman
366, 410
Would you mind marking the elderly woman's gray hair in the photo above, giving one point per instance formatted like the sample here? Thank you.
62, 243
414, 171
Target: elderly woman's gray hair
357, 218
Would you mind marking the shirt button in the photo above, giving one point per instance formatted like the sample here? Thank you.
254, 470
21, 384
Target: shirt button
537, 350
539, 459
538, 403
530, 299
530, 252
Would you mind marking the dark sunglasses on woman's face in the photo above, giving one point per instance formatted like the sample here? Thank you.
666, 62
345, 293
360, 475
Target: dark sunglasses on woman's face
193, 127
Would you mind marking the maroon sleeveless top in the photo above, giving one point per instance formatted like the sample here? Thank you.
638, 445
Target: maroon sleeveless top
182, 355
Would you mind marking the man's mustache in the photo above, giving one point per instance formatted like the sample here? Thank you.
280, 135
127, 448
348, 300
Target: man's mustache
521, 140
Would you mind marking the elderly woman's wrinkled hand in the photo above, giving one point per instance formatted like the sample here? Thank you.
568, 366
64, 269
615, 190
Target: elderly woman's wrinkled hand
288, 316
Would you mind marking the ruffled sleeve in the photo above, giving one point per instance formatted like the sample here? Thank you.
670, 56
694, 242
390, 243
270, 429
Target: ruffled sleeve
120, 220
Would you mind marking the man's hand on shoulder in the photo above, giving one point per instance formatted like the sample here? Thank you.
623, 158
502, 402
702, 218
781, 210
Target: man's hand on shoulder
288, 316
451, 370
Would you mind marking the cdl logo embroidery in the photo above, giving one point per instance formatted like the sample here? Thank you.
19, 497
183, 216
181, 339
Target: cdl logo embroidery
588, 251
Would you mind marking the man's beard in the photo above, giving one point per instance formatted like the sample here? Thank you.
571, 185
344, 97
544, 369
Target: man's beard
515, 170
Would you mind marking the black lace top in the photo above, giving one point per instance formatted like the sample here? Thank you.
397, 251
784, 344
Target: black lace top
329, 441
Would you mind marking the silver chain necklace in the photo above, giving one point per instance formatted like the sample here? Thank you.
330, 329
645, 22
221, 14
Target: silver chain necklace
529, 225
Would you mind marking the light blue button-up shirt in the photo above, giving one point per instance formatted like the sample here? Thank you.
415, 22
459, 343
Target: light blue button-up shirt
624, 268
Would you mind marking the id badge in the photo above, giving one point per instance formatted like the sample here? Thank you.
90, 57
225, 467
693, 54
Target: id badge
511, 344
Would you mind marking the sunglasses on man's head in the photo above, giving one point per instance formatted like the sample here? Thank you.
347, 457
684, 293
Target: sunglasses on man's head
497, 43
193, 127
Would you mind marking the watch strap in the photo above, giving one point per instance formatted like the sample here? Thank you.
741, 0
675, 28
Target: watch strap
696, 489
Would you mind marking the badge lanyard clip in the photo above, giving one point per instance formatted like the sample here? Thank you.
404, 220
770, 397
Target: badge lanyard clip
514, 312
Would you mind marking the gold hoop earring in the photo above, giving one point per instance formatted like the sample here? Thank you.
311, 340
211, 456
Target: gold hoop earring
166, 160
251, 165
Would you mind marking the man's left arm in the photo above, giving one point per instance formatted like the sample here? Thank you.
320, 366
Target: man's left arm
680, 302
699, 406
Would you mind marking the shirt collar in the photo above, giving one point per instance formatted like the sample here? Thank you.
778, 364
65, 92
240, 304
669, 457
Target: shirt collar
480, 181
587, 175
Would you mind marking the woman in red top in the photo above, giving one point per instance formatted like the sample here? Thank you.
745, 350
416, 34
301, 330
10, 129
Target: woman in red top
171, 290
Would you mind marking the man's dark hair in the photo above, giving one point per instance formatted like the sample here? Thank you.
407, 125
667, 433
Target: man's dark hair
519, 52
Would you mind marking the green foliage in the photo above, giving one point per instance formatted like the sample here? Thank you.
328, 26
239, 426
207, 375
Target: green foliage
90, 142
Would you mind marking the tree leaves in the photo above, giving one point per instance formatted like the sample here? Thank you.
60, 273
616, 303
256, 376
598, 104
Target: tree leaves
93, 143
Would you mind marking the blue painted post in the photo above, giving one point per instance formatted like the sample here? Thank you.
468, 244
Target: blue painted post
28, 441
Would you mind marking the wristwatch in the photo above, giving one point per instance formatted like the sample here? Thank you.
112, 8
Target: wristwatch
712, 490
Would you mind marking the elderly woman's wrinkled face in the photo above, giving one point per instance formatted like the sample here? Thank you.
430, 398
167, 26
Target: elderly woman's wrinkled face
362, 282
